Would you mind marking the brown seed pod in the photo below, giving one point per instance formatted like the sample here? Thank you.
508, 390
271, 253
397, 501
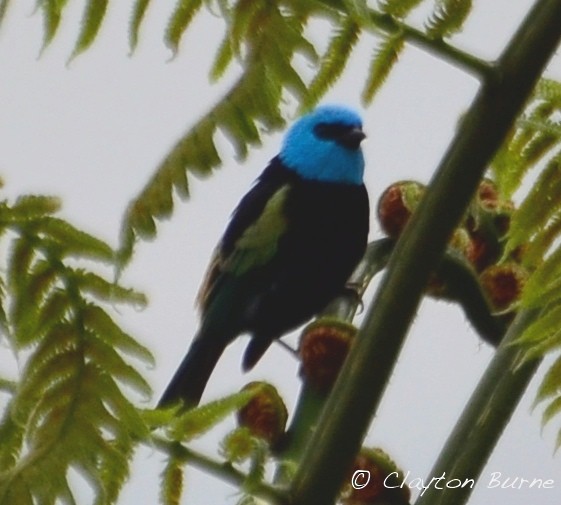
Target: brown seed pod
503, 284
265, 415
324, 345
396, 205
375, 478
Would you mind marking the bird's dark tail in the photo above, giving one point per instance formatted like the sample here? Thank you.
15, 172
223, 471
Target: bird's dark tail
193, 373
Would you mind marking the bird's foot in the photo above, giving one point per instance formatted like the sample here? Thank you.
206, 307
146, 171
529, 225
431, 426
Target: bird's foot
353, 290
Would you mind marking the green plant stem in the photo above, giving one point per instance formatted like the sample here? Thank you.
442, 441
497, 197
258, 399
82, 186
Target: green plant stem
466, 61
224, 470
484, 418
358, 391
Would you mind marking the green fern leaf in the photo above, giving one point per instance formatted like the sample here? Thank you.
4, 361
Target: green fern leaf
4, 330
40, 380
172, 482
100, 288
256, 474
181, 18
52, 14
448, 17
222, 60
542, 242
511, 162
67, 410
385, 56
551, 383
128, 417
542, 328
551, 411
138, 12
33, 206
159, 417
3, 9
244, 21
398, 8
265, 39
97, 320
334, 60
91, 23
238, 445
541, 278
550, 91
105, 355
195, 422
12, 435
542, 336
532, 216
68, 240
8, 386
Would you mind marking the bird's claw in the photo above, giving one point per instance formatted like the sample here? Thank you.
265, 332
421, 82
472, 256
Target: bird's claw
353, 290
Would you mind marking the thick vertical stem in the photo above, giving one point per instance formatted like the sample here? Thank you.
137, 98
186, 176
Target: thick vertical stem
358, 391
484, 418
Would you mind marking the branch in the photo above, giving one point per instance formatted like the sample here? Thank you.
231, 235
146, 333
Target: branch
466, 61
486, 415
480, 68
224, 470
358, 391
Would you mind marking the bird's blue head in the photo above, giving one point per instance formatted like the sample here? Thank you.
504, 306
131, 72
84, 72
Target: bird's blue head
324, 145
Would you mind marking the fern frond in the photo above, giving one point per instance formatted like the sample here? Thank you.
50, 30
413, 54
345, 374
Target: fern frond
138, 12
68, 409
333, 61
385, 56
184, 12
398, 8
91, 23
448, 17
172, 482
265, 40
195, 422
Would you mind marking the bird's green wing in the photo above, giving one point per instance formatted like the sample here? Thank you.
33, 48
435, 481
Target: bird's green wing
254, 247
258, 244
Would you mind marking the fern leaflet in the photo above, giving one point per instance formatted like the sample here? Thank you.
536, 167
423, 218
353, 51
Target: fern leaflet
385, 56
448, 17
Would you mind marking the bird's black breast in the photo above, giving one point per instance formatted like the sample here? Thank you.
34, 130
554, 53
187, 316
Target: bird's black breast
327, 231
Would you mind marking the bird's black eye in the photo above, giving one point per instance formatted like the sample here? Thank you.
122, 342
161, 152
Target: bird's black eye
345, 135
331, 131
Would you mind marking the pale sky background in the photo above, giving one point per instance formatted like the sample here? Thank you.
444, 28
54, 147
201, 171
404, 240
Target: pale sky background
93, 132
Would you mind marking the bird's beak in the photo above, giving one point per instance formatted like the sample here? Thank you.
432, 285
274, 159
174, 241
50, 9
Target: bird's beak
353, 138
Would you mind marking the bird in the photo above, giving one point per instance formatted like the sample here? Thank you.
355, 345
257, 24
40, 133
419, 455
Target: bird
289, 248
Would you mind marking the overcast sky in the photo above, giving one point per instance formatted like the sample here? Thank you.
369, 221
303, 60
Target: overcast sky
93, 132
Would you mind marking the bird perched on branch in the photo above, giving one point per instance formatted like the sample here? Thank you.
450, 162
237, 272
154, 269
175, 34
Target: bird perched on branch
290, 246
